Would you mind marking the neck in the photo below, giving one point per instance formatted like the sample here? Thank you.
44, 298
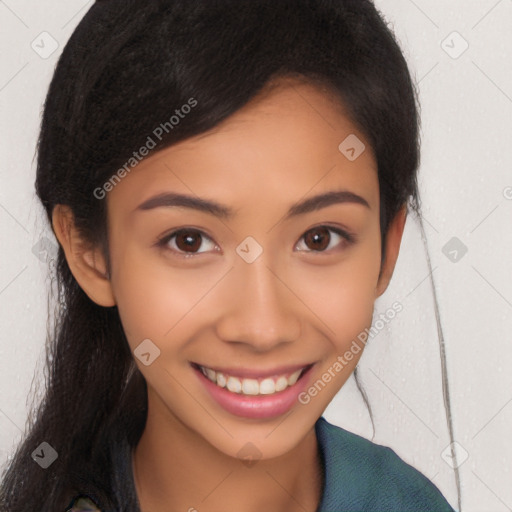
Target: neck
175, 469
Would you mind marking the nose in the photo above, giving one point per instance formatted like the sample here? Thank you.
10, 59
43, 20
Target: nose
261, 309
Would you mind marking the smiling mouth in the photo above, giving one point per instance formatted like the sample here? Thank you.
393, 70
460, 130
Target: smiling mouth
251, 386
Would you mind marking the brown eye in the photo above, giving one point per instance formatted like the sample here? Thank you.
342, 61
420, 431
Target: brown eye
321, 238
318, 239
187, 242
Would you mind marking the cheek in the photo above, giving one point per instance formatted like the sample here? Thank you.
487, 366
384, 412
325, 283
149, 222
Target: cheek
343, 296
156, 301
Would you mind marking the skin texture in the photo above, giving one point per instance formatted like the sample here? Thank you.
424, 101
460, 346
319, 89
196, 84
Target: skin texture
292, 305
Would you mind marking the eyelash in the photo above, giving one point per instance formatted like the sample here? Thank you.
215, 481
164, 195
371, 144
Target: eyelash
349, 239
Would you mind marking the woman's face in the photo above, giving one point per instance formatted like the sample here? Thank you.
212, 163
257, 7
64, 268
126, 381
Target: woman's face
278, 275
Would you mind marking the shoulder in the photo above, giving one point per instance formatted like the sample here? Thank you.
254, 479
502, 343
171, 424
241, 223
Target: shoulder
362, 475
82, 503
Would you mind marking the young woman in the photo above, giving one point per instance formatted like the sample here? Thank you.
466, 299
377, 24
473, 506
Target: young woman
228, 183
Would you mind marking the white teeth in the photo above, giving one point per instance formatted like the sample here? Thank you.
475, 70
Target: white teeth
210, 373
294, 377
250, 387
267, 386
221, 380
234, 385
281, 383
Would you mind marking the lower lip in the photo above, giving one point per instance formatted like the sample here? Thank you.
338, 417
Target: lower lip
255, 406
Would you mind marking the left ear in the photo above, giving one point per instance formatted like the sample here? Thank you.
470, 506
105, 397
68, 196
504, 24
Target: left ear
393, 239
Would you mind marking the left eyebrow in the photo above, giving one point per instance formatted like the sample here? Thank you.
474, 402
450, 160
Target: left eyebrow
324, 200
208, 206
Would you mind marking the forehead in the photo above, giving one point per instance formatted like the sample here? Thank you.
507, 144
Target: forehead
283, 144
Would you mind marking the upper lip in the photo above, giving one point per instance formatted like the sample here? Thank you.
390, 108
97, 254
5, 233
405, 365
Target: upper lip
255, 373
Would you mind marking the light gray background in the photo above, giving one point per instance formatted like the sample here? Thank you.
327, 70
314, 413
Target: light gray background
466, 187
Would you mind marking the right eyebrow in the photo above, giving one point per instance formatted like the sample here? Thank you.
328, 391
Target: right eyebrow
169, 199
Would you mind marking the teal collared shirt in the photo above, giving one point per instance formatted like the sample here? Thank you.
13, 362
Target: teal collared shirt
359, 476
364, 476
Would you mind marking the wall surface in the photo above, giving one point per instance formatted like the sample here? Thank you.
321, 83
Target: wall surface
457, 308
